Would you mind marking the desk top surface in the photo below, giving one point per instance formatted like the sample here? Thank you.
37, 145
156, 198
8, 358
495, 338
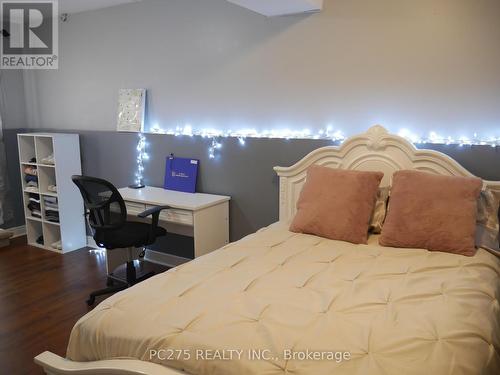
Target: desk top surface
160, 197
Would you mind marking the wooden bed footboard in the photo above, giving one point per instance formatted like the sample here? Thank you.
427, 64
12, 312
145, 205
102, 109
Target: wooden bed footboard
53, 364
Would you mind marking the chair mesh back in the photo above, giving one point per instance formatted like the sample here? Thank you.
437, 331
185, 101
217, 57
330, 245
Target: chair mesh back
103, 201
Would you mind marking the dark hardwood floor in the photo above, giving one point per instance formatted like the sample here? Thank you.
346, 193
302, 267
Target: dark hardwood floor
42, 295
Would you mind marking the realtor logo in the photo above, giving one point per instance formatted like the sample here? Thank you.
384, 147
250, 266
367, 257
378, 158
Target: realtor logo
29, 34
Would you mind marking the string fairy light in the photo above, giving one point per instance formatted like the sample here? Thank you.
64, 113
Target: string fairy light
242, 134
141, 156
215, 137
327, 133
435, 138
214, 146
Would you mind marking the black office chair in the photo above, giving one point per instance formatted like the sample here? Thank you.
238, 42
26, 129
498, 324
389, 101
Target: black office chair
107, 216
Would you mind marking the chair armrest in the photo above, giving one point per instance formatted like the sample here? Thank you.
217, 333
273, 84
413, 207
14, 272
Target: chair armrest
153, 211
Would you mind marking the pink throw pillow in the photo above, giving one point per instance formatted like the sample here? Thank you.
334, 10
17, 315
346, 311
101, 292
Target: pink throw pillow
337, 204
432, 212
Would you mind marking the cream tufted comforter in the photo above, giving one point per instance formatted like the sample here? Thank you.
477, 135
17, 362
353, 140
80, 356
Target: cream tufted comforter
394, 311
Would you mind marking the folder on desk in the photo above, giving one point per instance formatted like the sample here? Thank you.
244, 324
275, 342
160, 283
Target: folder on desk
181, 174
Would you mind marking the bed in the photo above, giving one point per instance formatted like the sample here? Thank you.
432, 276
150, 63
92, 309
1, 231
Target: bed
278, 302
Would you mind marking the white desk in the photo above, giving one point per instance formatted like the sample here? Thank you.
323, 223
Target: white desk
205, 217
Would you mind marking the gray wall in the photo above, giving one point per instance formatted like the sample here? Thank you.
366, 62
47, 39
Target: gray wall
245, 173
425, 65
12, 99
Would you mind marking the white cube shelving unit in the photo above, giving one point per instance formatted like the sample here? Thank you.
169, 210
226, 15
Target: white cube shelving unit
66, 151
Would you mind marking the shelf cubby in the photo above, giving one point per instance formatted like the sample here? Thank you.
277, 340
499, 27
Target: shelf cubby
44, 149
27, 212
51, 235
27, 149
24, 166
34, 229
45, 207
46, 177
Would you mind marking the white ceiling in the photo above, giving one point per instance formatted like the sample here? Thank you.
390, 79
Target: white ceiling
266, 7
272, 8
77, 6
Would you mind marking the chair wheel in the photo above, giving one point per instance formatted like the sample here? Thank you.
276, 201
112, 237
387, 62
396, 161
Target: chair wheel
91, 301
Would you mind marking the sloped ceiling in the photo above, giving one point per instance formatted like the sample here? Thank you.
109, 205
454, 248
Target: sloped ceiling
272, 8
266, 7
78, 6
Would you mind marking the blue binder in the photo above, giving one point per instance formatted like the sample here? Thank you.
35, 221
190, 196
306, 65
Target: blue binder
181, 174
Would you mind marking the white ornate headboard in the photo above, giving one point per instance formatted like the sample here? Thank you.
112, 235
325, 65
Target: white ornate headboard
375, 150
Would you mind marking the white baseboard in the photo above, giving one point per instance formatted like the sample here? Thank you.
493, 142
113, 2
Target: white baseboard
165, 259
18, 231
151, 255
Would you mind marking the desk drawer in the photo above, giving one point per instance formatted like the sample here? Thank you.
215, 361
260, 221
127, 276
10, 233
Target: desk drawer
176, 216
134, 208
